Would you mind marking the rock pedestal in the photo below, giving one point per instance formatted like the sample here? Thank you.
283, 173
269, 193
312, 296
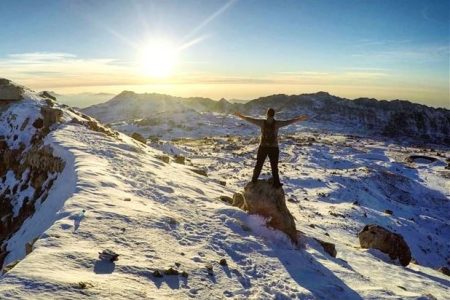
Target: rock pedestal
261, 198
393, 244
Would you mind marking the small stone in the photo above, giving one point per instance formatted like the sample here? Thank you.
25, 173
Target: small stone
444, 270
157, 274
180, 159
171, 271
312, 225
127, 199
223, 262
209, 267
184, 274
388, 212
328, 247
177, 264
226, 199
139, 137
108, 254
356, 203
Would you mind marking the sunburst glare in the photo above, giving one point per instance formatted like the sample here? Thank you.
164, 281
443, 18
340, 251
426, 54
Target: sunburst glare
158, 59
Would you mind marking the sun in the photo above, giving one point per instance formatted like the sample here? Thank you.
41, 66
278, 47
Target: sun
158, 59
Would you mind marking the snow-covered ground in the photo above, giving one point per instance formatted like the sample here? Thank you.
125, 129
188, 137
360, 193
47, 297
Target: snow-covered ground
157, 215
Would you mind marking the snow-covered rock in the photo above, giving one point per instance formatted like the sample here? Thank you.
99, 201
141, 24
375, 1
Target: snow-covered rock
262, 198
377, 237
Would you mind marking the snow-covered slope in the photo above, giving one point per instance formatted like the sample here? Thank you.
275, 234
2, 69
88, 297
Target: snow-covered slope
116, 193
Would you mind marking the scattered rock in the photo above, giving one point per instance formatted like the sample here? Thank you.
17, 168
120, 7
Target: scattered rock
226, 199
139, 137
47, 95
444, 270
393, 244
200, 172
157, 274
84, 285
329, 248
388, 212
164, 158
209, 268
334, 214
171, 271
223, 262
109, 255
223, 183
180, 159
127, 199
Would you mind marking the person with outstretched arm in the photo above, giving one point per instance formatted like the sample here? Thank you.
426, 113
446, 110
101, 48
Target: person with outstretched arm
269, 142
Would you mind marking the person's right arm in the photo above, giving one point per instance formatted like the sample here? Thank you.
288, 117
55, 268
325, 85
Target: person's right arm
257, 122
283, 123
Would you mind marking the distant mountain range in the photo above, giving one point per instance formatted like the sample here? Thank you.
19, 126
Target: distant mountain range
396, 118
82, 99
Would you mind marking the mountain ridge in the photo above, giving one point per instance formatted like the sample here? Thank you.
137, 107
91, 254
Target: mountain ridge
394, 119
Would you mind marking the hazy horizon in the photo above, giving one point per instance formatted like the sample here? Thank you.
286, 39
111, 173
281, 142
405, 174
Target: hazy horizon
231, 49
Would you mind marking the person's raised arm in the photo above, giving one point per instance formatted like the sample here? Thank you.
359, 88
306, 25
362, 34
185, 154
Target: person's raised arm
291, 121
257, 122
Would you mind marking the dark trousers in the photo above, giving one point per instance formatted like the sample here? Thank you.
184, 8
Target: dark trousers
273, 153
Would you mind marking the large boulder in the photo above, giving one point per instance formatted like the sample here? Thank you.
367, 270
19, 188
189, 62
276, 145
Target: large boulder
393, 244
262, 198
9, 91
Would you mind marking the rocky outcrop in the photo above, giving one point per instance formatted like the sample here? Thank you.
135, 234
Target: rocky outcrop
27, 169
139, 137
9, 91
393, 244
261, 198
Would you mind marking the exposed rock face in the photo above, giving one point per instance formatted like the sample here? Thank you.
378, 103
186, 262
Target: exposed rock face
261, 198
138, 137
51, 116
377, 237
28, 169
9, 91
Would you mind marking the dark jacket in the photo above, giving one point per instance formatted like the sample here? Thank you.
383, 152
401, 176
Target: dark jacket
269, 129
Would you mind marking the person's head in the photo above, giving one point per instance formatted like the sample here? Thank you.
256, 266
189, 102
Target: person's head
270, 113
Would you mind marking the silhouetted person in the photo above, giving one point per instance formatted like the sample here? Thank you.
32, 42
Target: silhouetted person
269, 142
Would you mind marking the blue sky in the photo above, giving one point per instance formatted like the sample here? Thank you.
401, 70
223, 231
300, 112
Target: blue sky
236, 49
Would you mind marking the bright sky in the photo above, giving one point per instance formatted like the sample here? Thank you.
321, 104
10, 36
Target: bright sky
391, 49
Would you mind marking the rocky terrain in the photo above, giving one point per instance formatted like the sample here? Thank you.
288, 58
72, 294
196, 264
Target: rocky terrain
89, 212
